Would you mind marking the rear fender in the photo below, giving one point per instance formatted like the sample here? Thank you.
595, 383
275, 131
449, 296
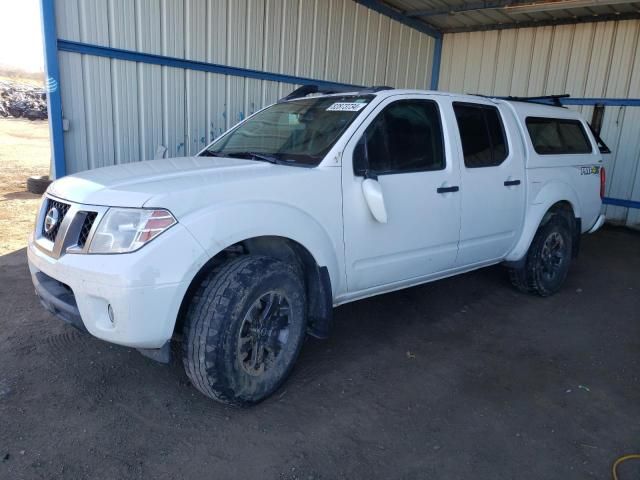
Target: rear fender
547, 197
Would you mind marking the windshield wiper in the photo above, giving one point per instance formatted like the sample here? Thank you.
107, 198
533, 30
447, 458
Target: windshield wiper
209, 153
255, 156
262, 157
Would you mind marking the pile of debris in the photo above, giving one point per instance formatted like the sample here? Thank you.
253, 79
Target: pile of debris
20, 100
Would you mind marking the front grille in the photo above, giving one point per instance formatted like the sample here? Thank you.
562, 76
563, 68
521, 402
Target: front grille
62, 209
79, 222
86, 228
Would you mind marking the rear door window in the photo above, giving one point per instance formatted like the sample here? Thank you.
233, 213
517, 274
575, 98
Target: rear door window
482, 135
557, 136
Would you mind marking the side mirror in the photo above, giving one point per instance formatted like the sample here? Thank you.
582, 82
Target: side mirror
372, 191
361, 160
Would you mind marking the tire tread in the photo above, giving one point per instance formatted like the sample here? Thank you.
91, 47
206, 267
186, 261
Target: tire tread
206, 319
526, 278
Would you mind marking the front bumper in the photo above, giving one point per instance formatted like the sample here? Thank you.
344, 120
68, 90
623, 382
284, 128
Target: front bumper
128, 299
57, 299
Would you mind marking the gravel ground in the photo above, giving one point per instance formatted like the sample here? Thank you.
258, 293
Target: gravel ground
462, 378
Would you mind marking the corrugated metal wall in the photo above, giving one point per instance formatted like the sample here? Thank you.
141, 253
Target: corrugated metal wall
121, 111
584, 60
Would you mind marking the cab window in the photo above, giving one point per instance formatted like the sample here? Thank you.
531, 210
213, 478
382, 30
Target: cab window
405, 137
554, 136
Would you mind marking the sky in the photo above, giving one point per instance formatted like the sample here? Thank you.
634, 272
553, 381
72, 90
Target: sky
20, 35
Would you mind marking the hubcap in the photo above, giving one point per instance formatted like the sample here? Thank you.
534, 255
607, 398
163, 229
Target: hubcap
264, 333
553, 255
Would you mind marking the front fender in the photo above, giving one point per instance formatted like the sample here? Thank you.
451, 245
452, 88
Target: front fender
210, 227
550, 194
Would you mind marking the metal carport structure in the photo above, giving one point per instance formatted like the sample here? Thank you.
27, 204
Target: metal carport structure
142, 79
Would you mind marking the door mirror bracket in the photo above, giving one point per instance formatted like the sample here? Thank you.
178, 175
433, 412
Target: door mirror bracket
368, 174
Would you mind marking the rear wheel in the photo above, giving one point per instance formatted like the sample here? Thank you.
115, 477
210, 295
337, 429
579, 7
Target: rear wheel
548, 259
244, 329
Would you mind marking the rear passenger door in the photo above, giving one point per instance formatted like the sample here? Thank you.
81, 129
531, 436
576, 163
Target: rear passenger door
492, 182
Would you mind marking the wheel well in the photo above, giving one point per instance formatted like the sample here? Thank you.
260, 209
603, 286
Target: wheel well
316, 278
565, 209
562, 207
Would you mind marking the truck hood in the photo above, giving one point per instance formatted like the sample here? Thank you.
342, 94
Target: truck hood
135, 184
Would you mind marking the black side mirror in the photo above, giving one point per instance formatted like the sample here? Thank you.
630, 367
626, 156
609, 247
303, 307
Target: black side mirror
361, 160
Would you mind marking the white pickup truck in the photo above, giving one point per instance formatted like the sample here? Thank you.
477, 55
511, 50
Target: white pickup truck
318, 200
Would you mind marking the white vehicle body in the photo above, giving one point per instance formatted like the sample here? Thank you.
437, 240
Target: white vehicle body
134, 299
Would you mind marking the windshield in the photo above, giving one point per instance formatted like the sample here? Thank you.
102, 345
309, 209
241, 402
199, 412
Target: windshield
298, 132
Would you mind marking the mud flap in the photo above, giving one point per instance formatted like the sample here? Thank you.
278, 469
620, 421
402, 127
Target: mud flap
161, 355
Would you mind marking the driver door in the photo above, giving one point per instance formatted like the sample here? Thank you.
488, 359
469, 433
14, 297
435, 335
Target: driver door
407, 145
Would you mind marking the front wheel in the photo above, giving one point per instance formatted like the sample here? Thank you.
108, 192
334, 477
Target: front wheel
244, 329
548, 259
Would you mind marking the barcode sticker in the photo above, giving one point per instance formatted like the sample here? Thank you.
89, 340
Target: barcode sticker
346, 107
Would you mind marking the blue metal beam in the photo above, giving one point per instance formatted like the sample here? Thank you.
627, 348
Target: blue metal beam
88, 49
435, 65
130, 55
398, 16
607, 102
621, 203
52, 84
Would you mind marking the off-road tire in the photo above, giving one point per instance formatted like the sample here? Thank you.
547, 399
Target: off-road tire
531, 277
215, 317
38, 185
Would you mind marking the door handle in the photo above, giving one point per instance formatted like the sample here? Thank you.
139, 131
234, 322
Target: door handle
447, 189
511, 183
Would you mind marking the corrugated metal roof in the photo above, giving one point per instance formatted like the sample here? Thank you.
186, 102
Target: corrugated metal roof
470, 15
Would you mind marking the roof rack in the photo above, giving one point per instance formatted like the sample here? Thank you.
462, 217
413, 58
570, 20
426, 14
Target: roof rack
543, 99
554, 99
311, 89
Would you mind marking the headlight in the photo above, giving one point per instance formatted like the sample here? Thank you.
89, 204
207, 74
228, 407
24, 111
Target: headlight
123, 230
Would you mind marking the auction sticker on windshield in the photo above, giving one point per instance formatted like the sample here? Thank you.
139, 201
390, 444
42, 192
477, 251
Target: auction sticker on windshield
346, 107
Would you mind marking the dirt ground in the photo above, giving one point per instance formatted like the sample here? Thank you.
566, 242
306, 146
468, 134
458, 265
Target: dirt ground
462, 378
24, 151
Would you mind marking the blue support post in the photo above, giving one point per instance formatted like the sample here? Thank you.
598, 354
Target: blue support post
52, 85
435, 66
